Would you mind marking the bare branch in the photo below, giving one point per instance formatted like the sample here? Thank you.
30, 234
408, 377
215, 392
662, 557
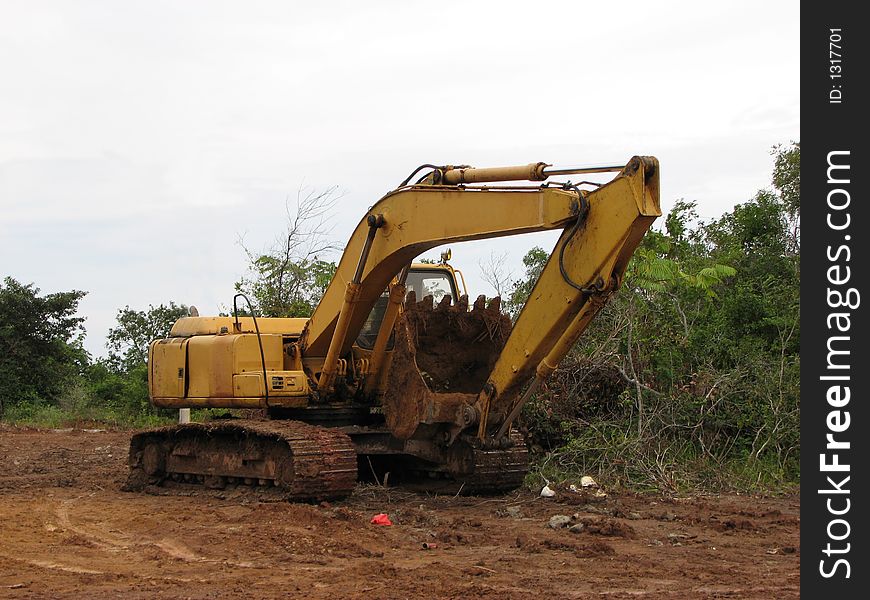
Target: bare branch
493, 272
280, 277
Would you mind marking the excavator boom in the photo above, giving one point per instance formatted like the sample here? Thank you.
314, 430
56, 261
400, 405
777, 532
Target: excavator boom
602, 230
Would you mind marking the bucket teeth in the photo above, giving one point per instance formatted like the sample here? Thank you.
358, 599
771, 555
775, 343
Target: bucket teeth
444, 303
494, 305
462, 305
411, 298
480, 303
428, 302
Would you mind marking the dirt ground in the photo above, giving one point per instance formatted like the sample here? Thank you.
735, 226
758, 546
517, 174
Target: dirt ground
68, 531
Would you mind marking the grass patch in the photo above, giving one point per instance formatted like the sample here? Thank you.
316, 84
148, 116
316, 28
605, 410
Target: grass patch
83, 415
55, 417
620, 460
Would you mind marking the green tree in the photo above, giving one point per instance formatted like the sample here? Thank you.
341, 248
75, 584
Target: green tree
704, 337
40, 344
124, 393
128, 341
534, 261
787, 176
282, 287
119, 382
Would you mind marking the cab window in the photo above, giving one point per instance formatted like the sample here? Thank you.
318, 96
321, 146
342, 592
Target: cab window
431, 283
423, 283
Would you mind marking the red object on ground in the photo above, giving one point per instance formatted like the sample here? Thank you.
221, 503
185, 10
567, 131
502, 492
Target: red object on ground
381, 519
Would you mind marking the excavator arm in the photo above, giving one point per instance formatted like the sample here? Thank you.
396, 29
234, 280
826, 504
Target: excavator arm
602, 228
584, 269
416, 219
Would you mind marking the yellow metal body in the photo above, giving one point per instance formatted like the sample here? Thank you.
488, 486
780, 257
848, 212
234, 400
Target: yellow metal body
394, 305
206, 367
209, 361
530, 172
189, 326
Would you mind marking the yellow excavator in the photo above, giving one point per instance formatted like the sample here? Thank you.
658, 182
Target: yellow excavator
394, 374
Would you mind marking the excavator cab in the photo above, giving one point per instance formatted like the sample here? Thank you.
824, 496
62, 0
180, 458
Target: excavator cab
424, 279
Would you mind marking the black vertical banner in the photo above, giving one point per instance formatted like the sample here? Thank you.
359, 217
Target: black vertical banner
835, 300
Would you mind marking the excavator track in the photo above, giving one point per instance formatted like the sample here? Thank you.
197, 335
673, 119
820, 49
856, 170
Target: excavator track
301, 461
497, 470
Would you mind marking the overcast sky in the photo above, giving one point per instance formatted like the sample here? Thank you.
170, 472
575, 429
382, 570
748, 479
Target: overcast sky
140, 140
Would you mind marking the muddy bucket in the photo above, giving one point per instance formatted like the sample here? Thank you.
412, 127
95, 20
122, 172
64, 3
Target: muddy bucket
442, 358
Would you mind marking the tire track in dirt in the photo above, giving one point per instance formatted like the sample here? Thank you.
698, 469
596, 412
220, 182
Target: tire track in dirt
56, 566
111, 542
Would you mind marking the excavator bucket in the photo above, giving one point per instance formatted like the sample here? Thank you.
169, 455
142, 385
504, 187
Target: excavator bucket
442, 357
